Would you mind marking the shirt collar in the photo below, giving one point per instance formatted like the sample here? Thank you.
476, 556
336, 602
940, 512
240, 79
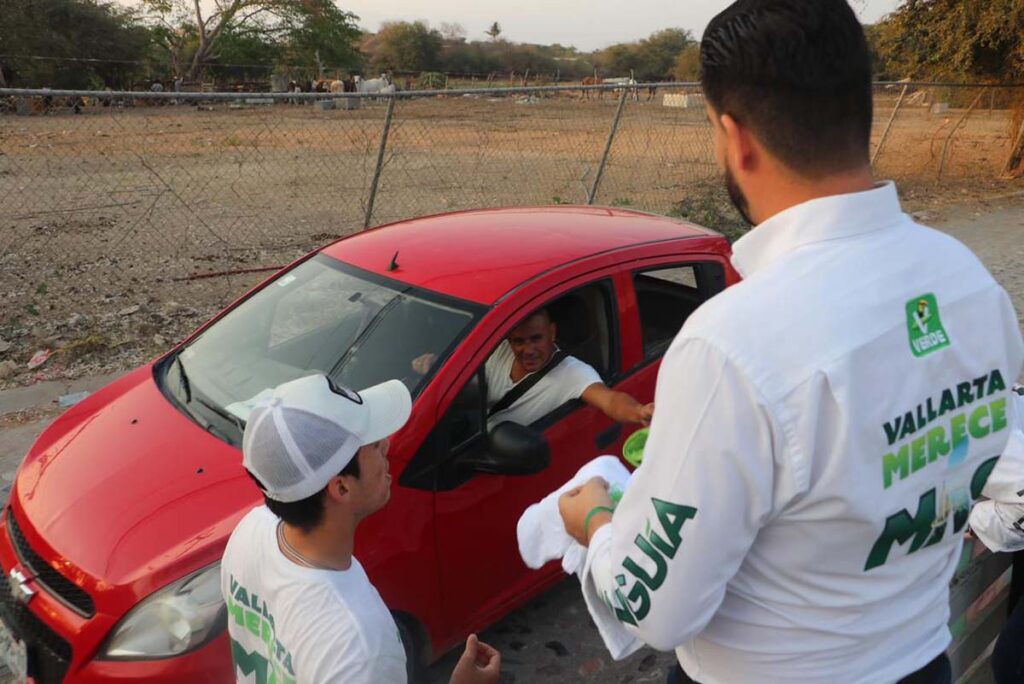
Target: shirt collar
817, 220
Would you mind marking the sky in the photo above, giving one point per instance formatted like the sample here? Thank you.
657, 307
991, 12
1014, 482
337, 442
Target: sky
587, 24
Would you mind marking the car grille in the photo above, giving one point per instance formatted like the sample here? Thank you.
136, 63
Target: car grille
57, 584
48, 654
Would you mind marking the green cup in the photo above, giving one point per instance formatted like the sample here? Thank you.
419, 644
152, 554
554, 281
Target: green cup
633, 449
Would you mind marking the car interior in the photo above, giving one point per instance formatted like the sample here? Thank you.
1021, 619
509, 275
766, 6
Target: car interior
582, 319
664, 304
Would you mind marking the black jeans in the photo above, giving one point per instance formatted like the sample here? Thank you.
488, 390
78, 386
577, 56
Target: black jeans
938, 671
1008, 655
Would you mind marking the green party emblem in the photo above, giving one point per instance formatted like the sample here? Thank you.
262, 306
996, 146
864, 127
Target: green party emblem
924, 326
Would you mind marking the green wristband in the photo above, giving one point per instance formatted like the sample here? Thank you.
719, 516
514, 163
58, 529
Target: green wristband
595, 510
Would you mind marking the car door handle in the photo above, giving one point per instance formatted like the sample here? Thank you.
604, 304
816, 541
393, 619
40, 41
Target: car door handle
606, 437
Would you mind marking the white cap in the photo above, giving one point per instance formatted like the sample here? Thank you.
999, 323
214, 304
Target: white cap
308, 430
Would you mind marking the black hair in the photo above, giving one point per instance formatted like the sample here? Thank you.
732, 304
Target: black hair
308, 513
797, 73
543, 312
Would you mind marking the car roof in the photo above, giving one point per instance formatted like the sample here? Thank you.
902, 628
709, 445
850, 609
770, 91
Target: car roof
482, 254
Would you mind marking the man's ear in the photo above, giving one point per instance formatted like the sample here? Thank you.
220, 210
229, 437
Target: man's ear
337, 489
554, 330
740, 149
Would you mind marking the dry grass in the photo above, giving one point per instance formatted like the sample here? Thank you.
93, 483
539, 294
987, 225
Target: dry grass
118, 207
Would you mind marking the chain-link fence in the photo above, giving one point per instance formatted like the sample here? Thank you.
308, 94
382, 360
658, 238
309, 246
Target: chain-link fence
126, 218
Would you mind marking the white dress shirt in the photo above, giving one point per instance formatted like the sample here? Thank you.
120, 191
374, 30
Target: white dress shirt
821, 430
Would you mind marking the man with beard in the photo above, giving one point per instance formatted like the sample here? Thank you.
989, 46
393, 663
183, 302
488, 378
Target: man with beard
824, 425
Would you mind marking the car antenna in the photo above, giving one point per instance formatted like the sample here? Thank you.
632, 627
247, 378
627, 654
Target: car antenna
394, 263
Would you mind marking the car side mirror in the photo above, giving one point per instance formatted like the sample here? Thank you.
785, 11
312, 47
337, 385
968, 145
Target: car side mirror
513, 449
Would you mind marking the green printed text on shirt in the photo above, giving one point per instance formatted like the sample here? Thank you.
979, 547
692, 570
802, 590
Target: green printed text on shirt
632, 598
247, 610
917, 438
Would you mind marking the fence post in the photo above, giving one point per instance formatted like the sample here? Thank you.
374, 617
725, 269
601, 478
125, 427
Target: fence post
888, 126
1016, 152
945, 145
607, 147
380, 163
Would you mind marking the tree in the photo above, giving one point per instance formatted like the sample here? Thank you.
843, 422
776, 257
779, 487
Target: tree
324, 35
660, 51
243, 56
69, 35
687, 67
406, 46
494, 31
952, 39
453, 32
618, 60
192, 30
651, 59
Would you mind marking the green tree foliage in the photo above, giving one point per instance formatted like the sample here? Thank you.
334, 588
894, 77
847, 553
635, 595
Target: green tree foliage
68, 33
951, 39
494, 31
323, 35
193, 32
405, 46
651, 59
243, 56
660, 52
687, 67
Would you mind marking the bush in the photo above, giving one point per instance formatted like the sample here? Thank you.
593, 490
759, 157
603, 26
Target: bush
431, 80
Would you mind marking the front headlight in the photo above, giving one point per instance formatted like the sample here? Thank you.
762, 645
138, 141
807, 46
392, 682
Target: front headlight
177, 619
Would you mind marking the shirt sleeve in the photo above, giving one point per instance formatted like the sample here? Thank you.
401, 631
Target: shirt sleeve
999, 521
578, 377
694, 507
493, 367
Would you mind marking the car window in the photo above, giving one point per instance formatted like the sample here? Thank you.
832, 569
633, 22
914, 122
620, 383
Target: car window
585, 321
667, 295
322, 316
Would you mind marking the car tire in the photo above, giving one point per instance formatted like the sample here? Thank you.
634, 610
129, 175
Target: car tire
414, 640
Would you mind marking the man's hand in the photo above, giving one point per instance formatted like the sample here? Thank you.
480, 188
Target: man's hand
421, 364
618, 406
577, 503
479, 664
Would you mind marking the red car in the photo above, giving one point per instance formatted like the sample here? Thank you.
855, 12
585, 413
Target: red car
121, 509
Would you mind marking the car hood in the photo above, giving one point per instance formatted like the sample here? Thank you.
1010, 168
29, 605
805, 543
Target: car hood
129, 491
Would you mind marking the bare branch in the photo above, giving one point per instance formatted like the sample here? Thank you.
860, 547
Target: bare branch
199, 20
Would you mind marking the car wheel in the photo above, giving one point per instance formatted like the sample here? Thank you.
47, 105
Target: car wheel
414, 640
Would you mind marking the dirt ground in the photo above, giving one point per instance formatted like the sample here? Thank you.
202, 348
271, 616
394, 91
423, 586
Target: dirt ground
111, 220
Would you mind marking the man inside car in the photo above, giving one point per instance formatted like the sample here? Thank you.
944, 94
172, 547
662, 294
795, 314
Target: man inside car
528, 376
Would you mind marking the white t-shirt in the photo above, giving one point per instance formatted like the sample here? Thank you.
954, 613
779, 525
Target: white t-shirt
563, 383
999, 521
307, 625
821, 429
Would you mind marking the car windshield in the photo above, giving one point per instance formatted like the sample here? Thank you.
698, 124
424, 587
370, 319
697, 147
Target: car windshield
321, 316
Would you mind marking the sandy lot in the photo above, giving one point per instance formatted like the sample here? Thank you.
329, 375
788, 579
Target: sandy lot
107, 217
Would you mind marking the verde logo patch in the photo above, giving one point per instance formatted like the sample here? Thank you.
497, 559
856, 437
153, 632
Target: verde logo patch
924, 326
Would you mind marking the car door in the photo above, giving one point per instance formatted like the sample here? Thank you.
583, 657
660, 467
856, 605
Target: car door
658, 295
476, 513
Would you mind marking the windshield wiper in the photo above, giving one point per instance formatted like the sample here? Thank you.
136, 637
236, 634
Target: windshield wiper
223, 413
185, 385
